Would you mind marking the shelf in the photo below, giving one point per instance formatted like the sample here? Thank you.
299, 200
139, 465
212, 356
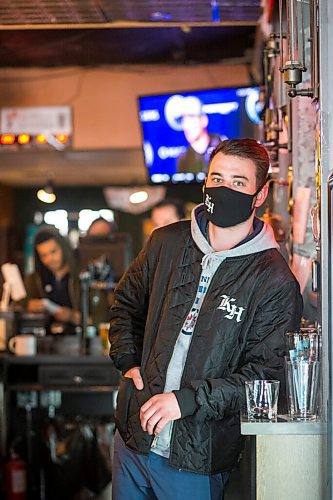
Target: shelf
284, 426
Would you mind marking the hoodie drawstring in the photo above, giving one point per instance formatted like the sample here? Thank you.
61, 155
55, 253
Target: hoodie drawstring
208, 259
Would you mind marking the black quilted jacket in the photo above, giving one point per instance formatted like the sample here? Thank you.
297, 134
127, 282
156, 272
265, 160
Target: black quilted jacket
152, 301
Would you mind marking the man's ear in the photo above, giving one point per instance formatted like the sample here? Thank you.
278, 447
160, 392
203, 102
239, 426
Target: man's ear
204, 121
261, 196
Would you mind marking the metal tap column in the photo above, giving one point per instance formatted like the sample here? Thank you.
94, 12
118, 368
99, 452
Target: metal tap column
326, 250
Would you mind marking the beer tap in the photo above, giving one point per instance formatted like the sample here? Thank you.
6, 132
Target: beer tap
294, 66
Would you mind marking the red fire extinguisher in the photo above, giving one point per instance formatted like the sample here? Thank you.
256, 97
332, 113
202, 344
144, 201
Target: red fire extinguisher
15, 477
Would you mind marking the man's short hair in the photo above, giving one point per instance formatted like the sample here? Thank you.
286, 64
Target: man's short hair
188, 106
109, 227
246, 148
173, 202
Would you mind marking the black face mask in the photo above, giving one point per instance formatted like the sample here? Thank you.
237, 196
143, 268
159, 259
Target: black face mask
226, 207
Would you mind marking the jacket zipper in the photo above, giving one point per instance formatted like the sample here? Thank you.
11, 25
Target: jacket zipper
155, 438
188, 353
154, 442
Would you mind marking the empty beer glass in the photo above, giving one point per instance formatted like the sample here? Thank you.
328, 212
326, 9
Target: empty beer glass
261, 399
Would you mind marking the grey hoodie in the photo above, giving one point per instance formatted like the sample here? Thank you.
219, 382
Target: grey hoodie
262, 241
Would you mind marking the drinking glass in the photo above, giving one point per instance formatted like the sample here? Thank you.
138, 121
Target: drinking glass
261, 399
303, 380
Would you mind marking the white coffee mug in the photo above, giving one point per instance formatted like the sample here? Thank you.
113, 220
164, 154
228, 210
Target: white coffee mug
23, 345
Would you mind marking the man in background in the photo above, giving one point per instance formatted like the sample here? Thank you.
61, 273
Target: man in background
166, 212
101, 227
201, 142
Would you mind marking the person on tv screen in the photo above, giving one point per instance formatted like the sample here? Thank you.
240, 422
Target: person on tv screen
201, 142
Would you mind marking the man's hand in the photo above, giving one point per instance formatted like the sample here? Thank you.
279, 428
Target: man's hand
67, 314
135, 375
158, 411
36, 305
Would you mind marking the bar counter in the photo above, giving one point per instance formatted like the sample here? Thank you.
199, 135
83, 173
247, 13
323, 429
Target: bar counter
36, 372
6, 358
84, 386
290, 459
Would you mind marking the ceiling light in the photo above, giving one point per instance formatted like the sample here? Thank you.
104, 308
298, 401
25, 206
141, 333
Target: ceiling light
62, 138
41, 139
138, 197
46, 194
118, 198
7, 139
23, 139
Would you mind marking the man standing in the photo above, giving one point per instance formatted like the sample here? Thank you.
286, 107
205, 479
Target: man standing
202, 309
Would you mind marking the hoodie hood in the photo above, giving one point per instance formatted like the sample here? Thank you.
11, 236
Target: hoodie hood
264, 240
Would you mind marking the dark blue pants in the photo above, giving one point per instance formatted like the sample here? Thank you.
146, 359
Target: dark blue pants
149, 477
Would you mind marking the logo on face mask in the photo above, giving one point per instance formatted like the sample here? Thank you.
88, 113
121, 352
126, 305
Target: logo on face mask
209, 204
232, 310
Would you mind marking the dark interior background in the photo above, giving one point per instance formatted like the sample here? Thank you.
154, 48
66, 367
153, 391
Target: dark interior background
60, 33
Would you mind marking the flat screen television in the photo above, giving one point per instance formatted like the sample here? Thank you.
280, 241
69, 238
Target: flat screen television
180, 130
